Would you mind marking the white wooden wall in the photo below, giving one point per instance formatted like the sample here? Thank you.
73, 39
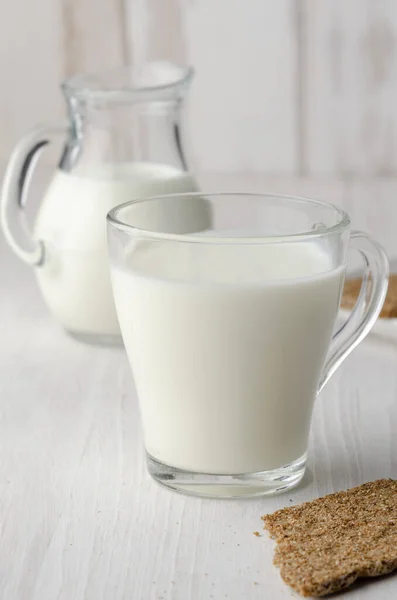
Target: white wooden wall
287, 87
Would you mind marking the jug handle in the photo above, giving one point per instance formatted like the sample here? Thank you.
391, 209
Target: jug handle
13, 195
368, 306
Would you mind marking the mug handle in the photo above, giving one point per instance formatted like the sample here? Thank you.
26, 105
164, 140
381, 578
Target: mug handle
13, 195
368, 306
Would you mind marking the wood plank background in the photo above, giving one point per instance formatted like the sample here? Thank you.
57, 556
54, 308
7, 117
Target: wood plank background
286, 87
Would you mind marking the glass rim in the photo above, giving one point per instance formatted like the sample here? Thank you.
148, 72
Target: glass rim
341, 225
81, 84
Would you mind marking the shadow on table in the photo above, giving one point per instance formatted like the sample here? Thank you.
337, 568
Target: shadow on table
364, 582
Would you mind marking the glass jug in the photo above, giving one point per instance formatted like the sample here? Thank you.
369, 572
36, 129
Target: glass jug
123, 143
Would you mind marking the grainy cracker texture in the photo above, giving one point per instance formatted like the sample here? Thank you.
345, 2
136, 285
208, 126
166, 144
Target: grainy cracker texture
323, 546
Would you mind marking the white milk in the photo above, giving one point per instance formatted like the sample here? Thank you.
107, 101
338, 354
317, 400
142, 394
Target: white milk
75, 279
227, 347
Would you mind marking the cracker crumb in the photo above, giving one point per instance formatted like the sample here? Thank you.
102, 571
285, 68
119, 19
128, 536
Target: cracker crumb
257, 534
324, 545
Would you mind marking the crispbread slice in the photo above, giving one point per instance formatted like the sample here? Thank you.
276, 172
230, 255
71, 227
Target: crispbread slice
323, 546
352, 289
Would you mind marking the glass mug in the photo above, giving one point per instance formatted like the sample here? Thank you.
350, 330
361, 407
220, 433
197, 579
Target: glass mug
123, 141
229, 331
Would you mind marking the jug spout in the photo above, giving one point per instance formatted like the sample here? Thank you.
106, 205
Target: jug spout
131, 114
156, 80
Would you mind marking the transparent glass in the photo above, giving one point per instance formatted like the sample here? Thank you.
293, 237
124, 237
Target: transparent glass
227, 304
123, 141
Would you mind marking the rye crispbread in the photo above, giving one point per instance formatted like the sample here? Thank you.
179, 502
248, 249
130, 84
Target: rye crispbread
324, 545
352, 289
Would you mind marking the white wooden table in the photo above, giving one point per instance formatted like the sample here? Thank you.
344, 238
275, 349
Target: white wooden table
80, 519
